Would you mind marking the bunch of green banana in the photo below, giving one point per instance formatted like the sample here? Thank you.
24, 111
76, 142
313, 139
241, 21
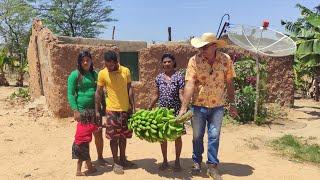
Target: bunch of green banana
157, 125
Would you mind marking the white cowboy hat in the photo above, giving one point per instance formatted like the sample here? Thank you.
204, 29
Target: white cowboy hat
207, 38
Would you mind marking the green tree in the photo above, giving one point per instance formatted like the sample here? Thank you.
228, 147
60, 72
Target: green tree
3, 62
15, 25
306, 32
74, 18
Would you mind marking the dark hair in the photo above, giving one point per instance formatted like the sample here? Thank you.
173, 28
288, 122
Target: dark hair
110, 56
82, 54
170, 56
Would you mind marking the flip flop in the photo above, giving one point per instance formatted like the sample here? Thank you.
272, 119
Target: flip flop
118, 169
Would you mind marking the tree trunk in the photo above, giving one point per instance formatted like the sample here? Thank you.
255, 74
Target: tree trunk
3, 80
20, 79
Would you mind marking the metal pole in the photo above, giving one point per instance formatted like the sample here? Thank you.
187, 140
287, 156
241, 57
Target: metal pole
113, 30
169, 33
256, 105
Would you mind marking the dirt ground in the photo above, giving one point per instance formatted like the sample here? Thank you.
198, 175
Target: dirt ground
37, 146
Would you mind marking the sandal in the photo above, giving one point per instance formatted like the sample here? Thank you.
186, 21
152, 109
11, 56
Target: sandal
118, 169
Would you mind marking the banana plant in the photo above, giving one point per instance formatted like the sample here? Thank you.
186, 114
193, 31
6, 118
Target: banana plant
306, 33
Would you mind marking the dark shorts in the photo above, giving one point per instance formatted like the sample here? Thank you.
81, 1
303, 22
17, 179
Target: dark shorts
117, 125
81, 151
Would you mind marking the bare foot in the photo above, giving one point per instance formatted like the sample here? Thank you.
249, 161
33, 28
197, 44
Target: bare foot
177, 167
91, 171
80, 174
164, 166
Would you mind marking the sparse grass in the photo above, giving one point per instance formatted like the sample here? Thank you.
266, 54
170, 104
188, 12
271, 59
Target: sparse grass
297, 148
227, 119
21, 93
253, 143
276, 111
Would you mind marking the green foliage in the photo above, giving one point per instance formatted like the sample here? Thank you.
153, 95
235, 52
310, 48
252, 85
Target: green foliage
228, 119
245, 70
74, 18
245, 101
4, 59
295, 147
15, 25
306, 32
245, 85
21, 93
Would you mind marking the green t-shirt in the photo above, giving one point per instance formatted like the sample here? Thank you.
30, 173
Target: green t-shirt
81, 94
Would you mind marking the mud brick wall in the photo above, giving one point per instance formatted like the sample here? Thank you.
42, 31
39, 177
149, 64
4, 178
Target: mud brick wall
63, 61
280, 76
150, 66
33, 62
51, 62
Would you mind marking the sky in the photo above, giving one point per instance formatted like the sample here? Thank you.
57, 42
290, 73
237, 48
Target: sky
148, 20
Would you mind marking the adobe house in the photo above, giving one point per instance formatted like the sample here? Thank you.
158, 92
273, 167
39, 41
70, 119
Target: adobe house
51, 59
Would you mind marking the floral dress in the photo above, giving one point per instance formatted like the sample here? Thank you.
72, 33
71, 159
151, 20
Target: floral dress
169, 90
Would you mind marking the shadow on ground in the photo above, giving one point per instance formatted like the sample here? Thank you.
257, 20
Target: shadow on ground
152, 166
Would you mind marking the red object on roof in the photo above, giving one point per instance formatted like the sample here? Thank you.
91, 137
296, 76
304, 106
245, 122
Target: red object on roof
265, 24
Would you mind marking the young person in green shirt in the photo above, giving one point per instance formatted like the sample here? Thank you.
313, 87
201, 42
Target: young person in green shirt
81, 95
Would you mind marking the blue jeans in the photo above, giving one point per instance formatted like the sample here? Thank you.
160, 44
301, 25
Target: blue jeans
214, 117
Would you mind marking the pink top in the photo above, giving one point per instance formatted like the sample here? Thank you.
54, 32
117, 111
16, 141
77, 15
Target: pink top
84, 132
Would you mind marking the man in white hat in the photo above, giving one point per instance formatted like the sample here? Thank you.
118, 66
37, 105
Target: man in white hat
209, 74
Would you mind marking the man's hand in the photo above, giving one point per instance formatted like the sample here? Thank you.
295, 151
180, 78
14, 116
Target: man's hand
182, 112
76, 115
233, 111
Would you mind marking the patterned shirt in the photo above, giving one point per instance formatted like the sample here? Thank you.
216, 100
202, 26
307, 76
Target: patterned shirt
169, 90
210, 80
